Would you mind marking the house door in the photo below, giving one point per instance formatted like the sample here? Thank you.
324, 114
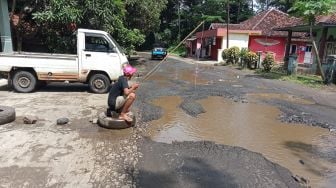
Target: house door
308, 55
293, 49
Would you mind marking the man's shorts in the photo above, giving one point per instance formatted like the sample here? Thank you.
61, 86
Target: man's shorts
120, 101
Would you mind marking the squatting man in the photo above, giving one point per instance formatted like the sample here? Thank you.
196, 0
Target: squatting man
121, 95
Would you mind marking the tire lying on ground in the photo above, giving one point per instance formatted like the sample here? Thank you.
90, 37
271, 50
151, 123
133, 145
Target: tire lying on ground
7, 114
114, 123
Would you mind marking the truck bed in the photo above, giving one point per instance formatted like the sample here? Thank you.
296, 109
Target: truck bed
40, 55
47, 66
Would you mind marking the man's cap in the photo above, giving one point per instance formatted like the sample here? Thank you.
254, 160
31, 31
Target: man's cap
129, 70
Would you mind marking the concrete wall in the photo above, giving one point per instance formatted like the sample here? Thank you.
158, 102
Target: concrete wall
278, 47
240, 40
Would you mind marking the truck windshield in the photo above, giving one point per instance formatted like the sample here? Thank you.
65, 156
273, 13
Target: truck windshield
115, 43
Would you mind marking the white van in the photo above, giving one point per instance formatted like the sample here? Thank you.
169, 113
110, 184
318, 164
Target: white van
98, 62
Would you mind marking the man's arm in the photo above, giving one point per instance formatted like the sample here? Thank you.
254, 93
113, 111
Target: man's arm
132, 89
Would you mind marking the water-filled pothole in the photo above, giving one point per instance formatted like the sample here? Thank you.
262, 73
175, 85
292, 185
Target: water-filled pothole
251, 126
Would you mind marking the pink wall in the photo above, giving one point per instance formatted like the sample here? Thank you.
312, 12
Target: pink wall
277, 46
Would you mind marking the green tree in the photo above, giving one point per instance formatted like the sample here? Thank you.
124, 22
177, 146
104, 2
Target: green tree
192, 12
23, 27
145, 15
283, 5
309, 9
60, 18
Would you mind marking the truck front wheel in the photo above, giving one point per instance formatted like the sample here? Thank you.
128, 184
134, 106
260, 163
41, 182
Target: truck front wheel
99, 83
24, 82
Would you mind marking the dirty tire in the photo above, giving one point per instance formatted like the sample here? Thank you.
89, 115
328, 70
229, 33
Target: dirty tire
24, 82
112, 123
99, 83
192, 108
7, 114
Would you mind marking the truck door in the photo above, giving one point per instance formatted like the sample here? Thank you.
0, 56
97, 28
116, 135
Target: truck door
100, 54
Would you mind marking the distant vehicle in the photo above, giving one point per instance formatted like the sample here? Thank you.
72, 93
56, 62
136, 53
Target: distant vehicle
98, 62
159, 52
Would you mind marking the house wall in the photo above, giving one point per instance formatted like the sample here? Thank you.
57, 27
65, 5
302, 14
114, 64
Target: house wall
240, 40
276, 45
214, 48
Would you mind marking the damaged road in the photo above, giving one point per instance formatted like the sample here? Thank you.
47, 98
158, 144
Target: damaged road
82, 154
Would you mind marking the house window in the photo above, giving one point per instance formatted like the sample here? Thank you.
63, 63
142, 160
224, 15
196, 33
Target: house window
309, 48
331, 48
293, 49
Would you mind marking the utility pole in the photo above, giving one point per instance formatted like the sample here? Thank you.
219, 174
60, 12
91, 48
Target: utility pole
179, 21
227, 22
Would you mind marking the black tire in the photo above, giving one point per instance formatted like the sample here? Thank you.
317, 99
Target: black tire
24, 82
114, 123
7, 114
99, 83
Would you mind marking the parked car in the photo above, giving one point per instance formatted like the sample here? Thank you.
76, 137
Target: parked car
98, 62
159, 52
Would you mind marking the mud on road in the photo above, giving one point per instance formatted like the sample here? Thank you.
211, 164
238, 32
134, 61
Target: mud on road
81, 154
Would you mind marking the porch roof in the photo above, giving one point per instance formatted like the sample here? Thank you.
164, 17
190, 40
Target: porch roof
221, 32
305, 28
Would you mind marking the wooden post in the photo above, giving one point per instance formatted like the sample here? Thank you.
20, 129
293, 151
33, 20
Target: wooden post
289, 41
322, 46
227, 23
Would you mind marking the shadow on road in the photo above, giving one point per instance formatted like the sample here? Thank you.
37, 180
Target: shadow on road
193, 172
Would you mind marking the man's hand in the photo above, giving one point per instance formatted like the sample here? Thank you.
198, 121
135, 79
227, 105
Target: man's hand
135, 86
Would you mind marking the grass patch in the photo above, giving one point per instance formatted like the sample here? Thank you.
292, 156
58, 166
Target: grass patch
308, 80
180, 51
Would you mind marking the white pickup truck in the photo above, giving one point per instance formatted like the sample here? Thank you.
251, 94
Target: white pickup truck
98, 62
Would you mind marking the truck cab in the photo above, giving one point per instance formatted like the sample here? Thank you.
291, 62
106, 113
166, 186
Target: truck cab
98, 62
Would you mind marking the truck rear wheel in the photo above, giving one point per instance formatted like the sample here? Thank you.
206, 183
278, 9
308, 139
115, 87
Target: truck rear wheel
99, 83
24, 82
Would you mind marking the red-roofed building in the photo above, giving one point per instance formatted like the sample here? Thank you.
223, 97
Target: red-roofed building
324, 33
257, 35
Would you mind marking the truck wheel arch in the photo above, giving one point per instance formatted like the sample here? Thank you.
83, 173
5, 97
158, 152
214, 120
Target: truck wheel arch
28, 69
93, 72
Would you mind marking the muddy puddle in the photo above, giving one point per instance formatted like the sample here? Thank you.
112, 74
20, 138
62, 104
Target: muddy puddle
251, 126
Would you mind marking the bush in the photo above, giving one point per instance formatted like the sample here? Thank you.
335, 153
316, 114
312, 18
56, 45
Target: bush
252, 60
268, 62
180, 51
233, 55
243, 57
225, 54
